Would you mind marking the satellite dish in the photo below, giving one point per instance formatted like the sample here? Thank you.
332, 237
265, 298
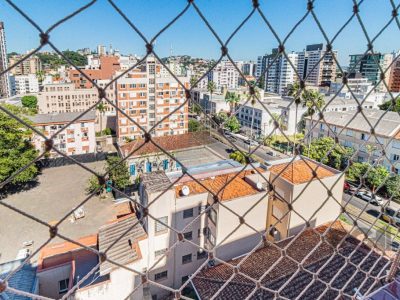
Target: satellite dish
259, 186
185, 190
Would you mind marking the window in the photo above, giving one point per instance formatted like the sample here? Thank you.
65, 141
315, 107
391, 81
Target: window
396, 157
63, 286
161, 275
159, 253
161, 227
349, 132
347, 144
188, 235
188, 213
364, 136
186, 259
201, 254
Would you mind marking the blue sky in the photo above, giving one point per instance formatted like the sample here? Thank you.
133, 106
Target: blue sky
101, 24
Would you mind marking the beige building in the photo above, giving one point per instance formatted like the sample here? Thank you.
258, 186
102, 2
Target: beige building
354, 131
78, 138
65, 97
31, 65
147, 97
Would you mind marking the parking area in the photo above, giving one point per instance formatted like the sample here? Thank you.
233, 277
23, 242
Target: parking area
59, 190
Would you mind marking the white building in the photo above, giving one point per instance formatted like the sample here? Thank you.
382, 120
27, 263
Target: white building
78, 138
354, 131
261, 121
225, 75
281, 72
24, 84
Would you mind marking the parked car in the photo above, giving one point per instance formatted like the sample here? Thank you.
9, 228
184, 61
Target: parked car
251, 143
271, 153
368, 196
346, 186
391, 216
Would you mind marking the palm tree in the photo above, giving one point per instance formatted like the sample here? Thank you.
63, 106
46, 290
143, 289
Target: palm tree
232, 98
193, 81
101, 108
211, 87
278, 118
40, 76
314, 101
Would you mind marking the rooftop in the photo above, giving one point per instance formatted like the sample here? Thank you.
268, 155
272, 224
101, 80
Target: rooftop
23, 280
63, 117
209, 280
299, 171
155, 181
126, 248
387, 126
168, 143
222, 185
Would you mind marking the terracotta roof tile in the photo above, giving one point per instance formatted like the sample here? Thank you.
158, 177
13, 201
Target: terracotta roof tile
236, 188
209, 280
300, 172
168, 143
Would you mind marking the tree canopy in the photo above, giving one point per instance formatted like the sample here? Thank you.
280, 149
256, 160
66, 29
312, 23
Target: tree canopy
29, 102
54, 60
232, 124
319, 149
16, 151
119, 173
388, 105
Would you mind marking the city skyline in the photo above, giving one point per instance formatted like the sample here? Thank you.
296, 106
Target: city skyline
101, 22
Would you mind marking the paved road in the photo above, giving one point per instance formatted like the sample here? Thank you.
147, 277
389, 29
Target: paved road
370, 208
261, 152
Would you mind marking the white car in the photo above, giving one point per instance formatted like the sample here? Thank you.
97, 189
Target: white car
368, 196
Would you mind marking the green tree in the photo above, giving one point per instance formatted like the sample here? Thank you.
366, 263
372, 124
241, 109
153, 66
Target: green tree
376, 177
221, 117
29, 102
118, 172
240, 157
279, 119
16, 151
232, 124
93, 185
319, 149
40, 76
233, 99
389, 105
393, 187
194, 125
356, 171
193, 81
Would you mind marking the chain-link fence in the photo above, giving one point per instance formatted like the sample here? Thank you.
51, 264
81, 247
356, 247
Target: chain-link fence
341, 259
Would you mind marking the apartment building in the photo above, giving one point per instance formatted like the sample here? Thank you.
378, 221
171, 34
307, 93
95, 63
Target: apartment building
225, 75
317, 66
78, 138
107, 67
30, 65
357, 85
24, 84
65, 98
354, 131
281, 72
370, 66
4, 79
148, 97
249, 68
258, 121
346, 104
394, 76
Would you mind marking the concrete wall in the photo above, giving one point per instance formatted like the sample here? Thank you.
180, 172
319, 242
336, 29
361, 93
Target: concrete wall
233, 242
48, 280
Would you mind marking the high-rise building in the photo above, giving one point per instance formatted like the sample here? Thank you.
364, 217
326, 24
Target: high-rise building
249, 68
261, 65
225, 75
101, 50
281, 72
370, 66
148, 97
5, 90
394, 77
24, 84
317, 66
30, 65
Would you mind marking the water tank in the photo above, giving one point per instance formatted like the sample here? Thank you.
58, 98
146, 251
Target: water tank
185, 190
